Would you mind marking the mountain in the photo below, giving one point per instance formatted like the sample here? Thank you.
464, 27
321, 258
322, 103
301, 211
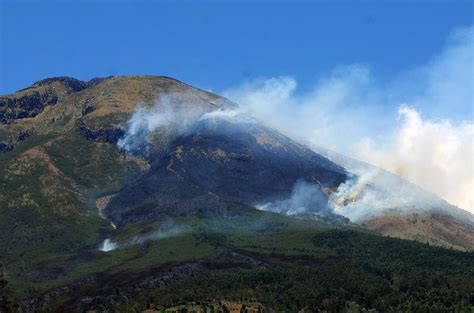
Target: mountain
435, 227
60, 154
143, 192
221, 167
391, 206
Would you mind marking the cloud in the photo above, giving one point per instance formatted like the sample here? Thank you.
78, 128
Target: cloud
419, 125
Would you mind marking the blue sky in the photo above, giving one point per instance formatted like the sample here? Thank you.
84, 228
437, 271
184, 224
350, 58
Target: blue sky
218, 45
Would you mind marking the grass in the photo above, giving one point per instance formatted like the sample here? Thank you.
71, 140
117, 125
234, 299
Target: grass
317, 266
192, 244
44, 214
25, 145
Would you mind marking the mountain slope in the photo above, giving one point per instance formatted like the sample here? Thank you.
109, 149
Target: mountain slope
71, 129
221, 166
62, 155
392, 206
61, 158
436, 228
184, 198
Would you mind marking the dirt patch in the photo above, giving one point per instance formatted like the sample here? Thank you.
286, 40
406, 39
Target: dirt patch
40, 153
267, 141
218, 153
102, 202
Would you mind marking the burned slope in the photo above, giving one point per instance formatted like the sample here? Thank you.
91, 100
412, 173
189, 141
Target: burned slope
392, 206
221, 167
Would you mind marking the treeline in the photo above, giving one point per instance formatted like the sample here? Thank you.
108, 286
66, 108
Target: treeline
367, 274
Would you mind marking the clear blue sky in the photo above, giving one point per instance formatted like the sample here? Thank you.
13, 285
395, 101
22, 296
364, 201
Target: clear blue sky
218, 45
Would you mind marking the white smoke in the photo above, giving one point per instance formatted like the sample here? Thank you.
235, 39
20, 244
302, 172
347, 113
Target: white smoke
166, 114
329, 115
305, 199
436, 155
144, 121
167, 230
374, 191
428, 141
108, 245
172, 115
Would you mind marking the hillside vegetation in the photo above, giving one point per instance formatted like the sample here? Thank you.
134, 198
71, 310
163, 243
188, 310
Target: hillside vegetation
61, 173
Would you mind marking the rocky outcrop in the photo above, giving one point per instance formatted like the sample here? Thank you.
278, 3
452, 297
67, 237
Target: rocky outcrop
25, 106
108, 135
31, 101
87, 109
5, 147
70, 83
22, 136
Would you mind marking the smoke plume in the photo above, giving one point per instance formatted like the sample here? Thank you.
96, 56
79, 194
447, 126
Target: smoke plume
419, 125
373, 191
305, 199
166, 230
436, 155
172, 115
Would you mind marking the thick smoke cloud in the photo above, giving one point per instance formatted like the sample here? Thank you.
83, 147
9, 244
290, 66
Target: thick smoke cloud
169, 116
419, 125
436, 155
144, 121
374, 190
305, 199
169, 113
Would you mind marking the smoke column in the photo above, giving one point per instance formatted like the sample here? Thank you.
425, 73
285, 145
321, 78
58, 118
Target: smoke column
419, 125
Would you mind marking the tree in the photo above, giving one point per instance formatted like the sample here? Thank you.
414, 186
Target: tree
6, 304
